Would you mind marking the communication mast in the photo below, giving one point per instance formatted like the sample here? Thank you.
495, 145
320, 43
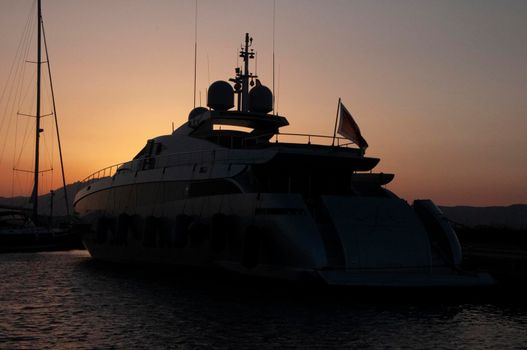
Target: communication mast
244, 78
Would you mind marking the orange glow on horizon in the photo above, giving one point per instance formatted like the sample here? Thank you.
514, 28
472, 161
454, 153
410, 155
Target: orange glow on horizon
439, 97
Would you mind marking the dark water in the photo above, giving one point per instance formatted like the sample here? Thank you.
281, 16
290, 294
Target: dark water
65, 300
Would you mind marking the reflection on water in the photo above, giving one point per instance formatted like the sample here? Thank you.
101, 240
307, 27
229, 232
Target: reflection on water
66, 300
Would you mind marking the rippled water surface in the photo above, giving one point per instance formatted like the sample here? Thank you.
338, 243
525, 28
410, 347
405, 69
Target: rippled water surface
66, 300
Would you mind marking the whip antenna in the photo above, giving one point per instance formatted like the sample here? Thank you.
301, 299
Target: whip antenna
274, 15
195, 48
208, 70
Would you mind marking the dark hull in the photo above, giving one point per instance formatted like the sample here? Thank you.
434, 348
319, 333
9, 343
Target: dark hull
272, 235
38, 241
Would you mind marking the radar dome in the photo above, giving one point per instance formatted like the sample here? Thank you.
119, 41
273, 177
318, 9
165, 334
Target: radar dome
220, 96
196, 111
260, 99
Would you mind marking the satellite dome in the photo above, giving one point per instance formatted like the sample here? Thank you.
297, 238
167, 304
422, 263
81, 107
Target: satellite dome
260, 99
220, 96
196, 111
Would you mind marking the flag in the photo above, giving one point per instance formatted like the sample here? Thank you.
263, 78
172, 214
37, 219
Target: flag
349, 129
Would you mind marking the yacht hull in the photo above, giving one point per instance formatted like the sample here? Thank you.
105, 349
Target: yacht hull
341, 241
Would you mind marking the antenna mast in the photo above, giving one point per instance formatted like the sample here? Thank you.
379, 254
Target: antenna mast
195, 49
244, 78
274, 26
38, 130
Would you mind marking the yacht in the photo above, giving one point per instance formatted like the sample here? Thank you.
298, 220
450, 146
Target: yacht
229, 191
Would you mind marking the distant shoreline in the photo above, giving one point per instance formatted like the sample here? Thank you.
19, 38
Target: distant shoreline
512, 216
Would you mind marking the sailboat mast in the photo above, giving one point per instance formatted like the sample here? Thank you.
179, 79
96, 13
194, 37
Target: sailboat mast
37, 116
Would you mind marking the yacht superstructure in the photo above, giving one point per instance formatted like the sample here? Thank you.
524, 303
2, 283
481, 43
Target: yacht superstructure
224, 192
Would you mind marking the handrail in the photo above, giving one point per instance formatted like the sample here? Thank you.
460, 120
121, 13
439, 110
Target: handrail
179, 157
103, 170
309, 136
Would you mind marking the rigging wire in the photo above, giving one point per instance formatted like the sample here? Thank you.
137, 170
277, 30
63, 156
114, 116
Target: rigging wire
51, 127
20, 88
30, 83
15, 80
14, 101
195, 49
26, 136
46, 150
24, 140
56, 120
14, 87
16, 61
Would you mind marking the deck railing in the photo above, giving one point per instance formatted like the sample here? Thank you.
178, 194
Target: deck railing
183, 158
335, 141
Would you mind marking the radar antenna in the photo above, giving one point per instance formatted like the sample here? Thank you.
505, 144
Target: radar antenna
244, 78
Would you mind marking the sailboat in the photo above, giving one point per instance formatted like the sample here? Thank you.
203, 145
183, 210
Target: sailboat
22, 228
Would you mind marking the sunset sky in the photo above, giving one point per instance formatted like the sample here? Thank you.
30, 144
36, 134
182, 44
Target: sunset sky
439, 88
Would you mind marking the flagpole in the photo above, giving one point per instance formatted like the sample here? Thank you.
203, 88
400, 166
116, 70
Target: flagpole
336, 120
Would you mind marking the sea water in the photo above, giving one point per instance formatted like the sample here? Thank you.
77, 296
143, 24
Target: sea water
66, 300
